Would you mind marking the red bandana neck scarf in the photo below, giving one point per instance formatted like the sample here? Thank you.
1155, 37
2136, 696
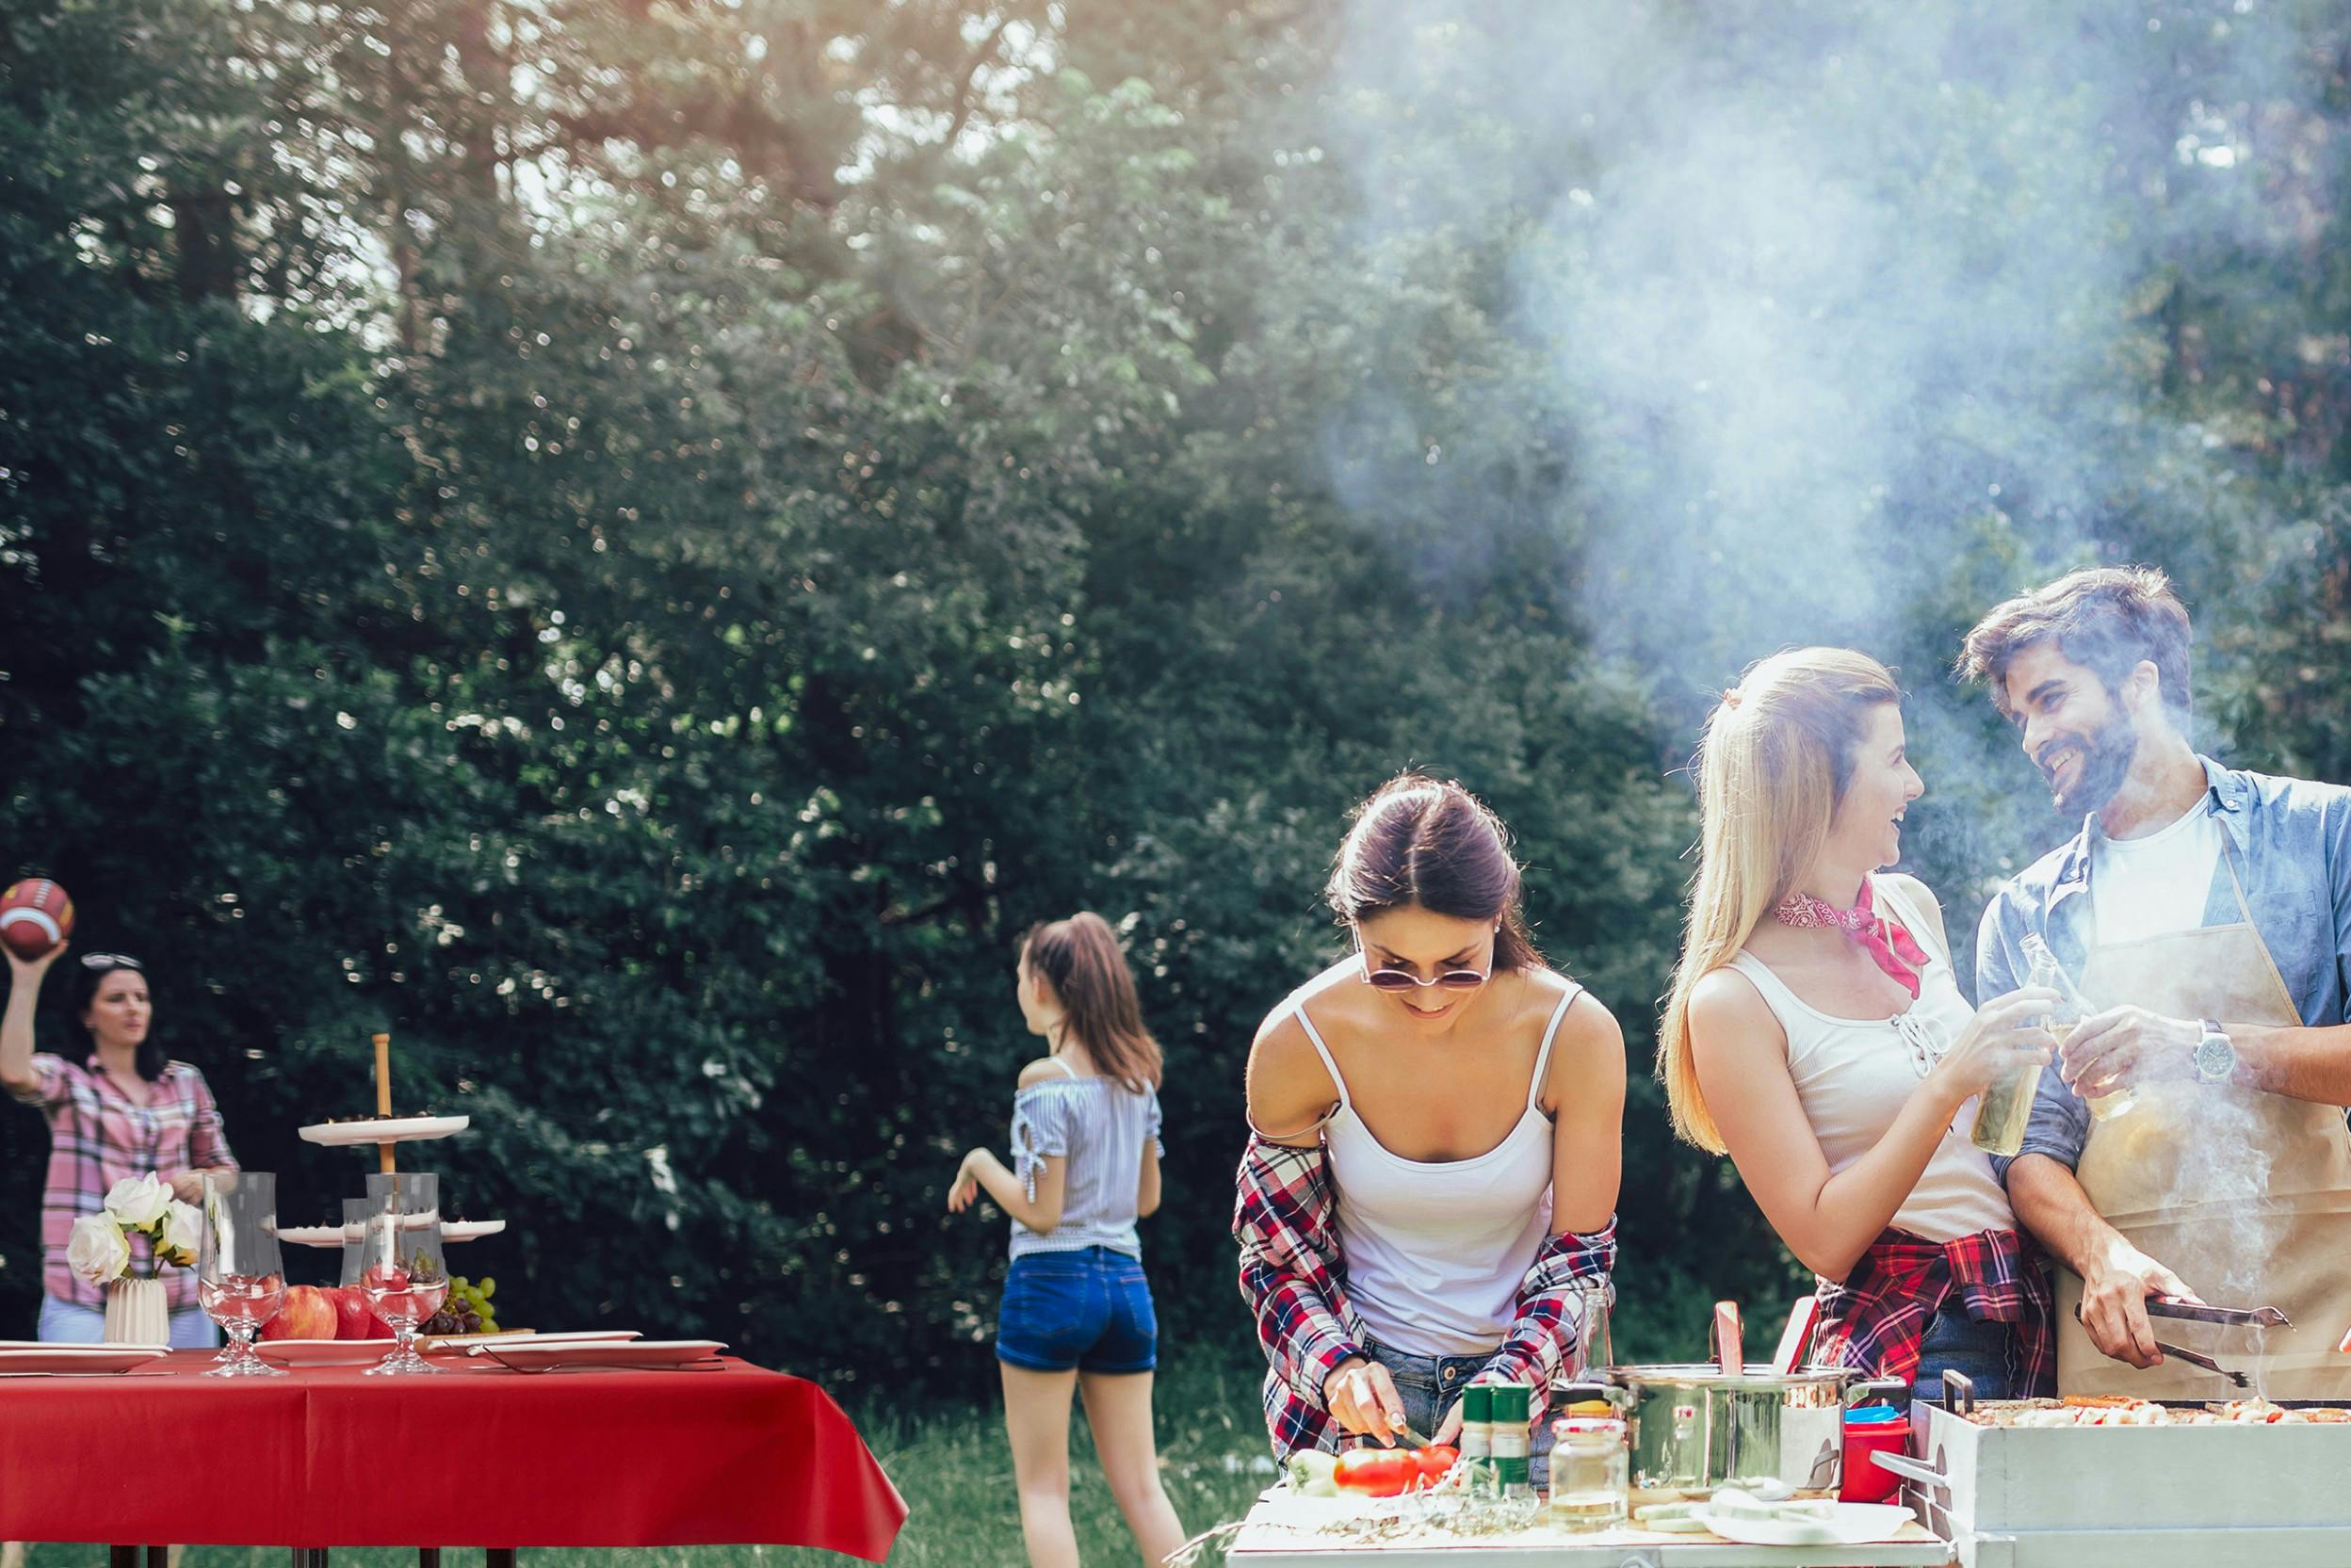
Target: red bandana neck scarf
1894, 949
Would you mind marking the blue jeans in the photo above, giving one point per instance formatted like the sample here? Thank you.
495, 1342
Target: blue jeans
1090, 1310
1977, 1350
67, 1324
1431, 1386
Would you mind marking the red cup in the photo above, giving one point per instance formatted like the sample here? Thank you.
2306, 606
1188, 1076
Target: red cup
1865, 1480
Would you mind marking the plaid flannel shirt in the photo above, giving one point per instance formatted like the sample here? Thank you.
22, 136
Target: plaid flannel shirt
1876, 1318
1285, 1217
98, 1137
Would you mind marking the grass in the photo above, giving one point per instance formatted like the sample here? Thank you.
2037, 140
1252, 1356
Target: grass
956, 1472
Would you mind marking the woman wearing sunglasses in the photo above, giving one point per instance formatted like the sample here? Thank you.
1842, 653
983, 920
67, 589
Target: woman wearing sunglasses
121, 1111
1430, 1187
1816, 1034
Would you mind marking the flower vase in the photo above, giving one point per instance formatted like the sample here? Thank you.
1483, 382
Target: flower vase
138, 1313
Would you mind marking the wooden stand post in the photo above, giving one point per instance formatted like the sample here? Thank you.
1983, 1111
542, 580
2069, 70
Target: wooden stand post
383, 1095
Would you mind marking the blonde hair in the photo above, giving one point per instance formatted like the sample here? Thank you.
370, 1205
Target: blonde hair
1773, 760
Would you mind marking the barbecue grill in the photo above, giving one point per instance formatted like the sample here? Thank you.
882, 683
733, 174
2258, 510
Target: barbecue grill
2129, 1496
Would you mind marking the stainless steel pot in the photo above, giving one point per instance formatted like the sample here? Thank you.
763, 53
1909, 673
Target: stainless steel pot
1694, 1427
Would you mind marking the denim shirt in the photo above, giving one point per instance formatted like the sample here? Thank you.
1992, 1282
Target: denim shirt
2293, 844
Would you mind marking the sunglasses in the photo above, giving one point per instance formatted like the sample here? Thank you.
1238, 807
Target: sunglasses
1396, 980
112, 961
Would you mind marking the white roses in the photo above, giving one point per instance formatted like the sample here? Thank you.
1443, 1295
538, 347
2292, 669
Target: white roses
99, 1249
178, 1242
96, 1252
138, 1202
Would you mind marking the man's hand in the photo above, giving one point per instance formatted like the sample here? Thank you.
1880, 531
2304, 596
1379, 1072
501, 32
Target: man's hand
1362, 1398
2113, 1303
2122, 1046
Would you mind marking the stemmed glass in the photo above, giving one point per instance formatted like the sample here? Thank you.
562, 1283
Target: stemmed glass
401, 1267
239, 1277
355, 1212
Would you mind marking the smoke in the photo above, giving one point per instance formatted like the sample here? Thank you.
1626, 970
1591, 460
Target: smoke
1849, 318
1829, 295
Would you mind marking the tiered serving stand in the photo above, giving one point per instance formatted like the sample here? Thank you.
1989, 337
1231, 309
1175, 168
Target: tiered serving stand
386, 1132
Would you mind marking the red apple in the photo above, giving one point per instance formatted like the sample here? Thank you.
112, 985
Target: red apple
379, 1328
352, 1315
306, 1315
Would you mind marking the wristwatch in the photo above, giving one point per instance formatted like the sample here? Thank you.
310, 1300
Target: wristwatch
2215, 1059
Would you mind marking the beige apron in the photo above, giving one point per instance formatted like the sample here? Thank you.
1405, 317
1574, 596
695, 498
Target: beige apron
2246, 1196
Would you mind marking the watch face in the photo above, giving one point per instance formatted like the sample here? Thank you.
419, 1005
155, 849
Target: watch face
2215, 1059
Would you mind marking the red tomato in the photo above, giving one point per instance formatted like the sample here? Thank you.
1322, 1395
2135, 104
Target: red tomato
1434, 1460
1376, 1472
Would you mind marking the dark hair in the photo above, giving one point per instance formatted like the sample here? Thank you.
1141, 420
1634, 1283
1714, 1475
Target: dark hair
2105, 618
87, 976
1431, 844
1080, 958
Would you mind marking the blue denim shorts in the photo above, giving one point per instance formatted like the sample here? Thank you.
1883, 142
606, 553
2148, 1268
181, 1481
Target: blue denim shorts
1090, 1310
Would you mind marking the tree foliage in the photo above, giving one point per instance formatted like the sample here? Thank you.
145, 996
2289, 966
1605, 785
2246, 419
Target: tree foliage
639, 546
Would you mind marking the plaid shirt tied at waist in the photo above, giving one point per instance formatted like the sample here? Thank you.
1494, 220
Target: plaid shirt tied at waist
1285, 1217
1876, 1318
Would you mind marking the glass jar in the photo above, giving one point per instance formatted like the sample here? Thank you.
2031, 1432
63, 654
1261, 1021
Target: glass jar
1588, 1473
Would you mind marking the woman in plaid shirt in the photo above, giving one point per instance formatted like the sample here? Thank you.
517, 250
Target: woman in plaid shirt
1816, 1032
1430, 1185
121, 1111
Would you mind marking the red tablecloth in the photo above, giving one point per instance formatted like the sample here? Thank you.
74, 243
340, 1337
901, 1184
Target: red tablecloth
478, 1456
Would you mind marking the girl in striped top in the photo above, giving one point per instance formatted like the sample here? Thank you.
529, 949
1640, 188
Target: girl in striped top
1077, 1313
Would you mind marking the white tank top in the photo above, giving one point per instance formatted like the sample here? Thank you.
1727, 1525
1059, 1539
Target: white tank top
1435, 1249
1854, 1076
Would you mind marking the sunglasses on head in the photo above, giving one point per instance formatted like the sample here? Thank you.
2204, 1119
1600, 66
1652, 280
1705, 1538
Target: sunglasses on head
112, 961
1405, 980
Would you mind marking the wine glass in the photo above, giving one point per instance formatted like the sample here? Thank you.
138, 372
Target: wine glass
401, 1268
355, 1213
239, 1277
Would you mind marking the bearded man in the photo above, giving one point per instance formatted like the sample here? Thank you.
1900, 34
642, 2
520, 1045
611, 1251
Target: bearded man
2191, 1143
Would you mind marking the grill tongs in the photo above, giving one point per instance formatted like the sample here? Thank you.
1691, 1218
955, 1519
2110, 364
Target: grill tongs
2235, 1317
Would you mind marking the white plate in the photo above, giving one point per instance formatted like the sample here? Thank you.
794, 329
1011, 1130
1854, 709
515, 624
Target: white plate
311, 1236
533, 1337
401, 1129
600, 1353
1848, 1524
337, 1235
19, 1356
324, 1352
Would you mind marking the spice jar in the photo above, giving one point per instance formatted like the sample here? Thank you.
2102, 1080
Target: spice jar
1514, 1413
1588, 1473
1477, 1427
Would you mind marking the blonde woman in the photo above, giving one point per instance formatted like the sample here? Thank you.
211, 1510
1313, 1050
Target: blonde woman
1817, 1035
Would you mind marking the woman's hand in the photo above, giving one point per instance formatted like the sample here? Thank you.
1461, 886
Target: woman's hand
966, 1187
1999, 1039
1362, 1398
187, 1186
25, 970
